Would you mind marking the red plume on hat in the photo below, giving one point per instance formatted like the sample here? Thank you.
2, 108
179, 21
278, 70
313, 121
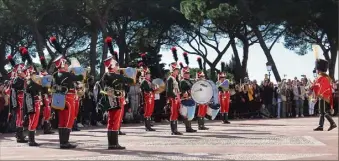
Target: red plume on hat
43, 62
25, 55
175, 55
57, 46
10, 59
109, 42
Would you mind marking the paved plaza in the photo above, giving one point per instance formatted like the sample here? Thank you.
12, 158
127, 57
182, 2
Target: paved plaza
283, 139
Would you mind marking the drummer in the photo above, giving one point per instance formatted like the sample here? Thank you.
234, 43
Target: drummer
224, 95
202, 108
185, 88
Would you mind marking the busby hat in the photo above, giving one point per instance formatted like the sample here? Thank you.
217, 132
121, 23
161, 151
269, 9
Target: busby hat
200, 73
185, 69
59, 61
143, 65
321, 65
222, 73
25, 55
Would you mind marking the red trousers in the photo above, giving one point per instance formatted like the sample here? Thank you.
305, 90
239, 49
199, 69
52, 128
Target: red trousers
148, 104
34, 117
224, 99
66, 116
115, 116
202, 110
175, 106
47, 108
77, 106
19, 110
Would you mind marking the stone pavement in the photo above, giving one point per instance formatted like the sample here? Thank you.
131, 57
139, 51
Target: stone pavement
283, 139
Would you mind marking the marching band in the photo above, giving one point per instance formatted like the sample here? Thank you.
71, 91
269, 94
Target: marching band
30, 90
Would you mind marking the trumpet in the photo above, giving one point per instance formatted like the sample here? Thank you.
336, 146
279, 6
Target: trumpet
130, 72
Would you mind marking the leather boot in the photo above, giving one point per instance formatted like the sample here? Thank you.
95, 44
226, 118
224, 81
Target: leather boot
31, 139
174, 128
188, 125
20, 138
64, 144
201, 123
332, 123
113, 142
47, 128
319, 128
148, 125
225, 118
121, 133
75, 126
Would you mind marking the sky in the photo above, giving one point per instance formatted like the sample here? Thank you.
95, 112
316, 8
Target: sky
287, 61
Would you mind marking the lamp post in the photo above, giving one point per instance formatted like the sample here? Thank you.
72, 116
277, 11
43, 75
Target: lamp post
269, 69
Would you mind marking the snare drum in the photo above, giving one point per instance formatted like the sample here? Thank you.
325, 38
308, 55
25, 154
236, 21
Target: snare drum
187, 109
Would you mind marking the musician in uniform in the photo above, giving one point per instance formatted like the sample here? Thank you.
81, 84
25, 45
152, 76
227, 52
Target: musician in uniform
224, 96
32, 101
202, 108
47, 128
185, 89
17, 101
114, 84
173, 93
64, 83
323, 91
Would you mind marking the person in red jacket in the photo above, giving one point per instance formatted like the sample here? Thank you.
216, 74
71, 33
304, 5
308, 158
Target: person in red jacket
323, 92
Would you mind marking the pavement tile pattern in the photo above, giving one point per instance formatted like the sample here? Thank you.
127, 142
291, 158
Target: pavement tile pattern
283, 139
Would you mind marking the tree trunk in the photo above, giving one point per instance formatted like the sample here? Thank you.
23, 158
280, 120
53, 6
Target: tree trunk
93, 51
238, 74
39, 40
104, 51
267, 53
334, 55
246, 47
2, 61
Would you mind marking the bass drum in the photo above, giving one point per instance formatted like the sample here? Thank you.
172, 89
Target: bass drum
202, 92
187, 109
214, 101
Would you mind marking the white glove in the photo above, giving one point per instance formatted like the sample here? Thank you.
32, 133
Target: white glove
332, 111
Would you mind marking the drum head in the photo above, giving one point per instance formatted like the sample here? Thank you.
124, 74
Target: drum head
225, 85
202, 92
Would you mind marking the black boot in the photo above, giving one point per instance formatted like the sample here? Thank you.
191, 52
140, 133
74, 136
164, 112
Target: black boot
148, 124
225, 119
47, 128
121, 133
75, 126
332, 123
113, 142
31, 139
174, 128
201, 123
64, 138
319, 128
188, 125
20, 138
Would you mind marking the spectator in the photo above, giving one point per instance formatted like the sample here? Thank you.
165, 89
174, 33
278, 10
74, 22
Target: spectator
282, 91
299, 97
267, 96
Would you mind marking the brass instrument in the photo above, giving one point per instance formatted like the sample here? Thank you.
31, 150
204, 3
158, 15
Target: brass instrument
159, 84
36, 79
